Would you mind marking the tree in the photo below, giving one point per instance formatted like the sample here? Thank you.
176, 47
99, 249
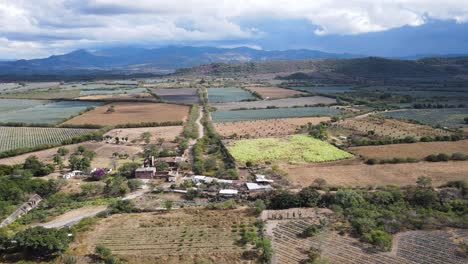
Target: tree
424, 182
192, 193
320, 183
58, 160
134, 184
80, 150
62, 151
309, 197
210, 164
259, 206
33, 164
284, 200
42, 242
348, 198
121, 206
74, 162
168, 204
161, 166
127, 170
161, 141
265, 249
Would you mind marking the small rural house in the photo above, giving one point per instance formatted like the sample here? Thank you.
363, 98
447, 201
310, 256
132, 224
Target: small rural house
259, 178
254, 187
145, 173
72, 174
228, 192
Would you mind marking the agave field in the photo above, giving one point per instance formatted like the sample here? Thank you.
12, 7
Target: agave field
287, 102
177, 95
8, 105
29, 137
412, 247
50, 113
244, 115
113, 91
231, 94
444, 117
294, 149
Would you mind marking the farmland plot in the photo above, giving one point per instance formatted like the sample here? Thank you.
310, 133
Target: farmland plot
411, 247
48, 113
181, 236
113, 91
168, 133
242, 115
232, 94
294, 149
265, 128
274, 92
30, 137
325, 89
288, 102
444, 117
8, 105
134, 113
16, 87
177, 95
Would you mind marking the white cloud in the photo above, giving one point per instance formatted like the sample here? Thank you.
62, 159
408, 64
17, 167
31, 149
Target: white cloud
57, 25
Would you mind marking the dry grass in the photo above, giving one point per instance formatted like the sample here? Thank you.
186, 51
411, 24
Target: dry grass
273, 92
133, 113
265, 128
179, 236
167, 133
354, 173
418, 150
388, 127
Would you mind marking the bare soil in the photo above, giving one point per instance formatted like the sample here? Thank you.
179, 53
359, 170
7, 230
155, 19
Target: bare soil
418, 150
354, 173
168, 133
265, 128
133, 113
116, 97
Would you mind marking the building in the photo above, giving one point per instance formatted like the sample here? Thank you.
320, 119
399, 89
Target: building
145, 173
72, 174
228, 192
262, 179
205, 179
253, 187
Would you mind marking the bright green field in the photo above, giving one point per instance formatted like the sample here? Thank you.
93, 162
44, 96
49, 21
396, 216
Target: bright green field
294, 149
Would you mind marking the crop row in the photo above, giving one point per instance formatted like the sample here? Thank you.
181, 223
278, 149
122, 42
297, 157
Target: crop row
30, 137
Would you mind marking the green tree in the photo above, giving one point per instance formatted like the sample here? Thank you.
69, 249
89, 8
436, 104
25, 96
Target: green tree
33, 164
127, 170
42, 242
265, 249
134, 184
62, 151
259, 206
424, 182
168, 204
309, 197
348, 198
161, 166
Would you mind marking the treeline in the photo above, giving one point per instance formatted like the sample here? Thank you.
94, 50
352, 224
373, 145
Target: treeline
150, 124
191, 127
375, 216
358, 141
429, 106
432, 158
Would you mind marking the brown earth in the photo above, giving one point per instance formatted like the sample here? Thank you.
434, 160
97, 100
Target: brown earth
168, 133
133, 113
355, 173
265, 128
418, 150
178, 236
273, 92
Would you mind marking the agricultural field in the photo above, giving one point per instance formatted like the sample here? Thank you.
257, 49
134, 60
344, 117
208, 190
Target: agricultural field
120, 97
8, 105
274, 92
409, 247
418, 150
385, 127
259, 114
105, 155
50, 113
30, 137
354, 173
168, 133
293, 149
444, 117
112, 91
231, 94
288, 102
178, 236
17, 87
131, 113
95, 86
265, 128
43, 94
325, 89
177, 95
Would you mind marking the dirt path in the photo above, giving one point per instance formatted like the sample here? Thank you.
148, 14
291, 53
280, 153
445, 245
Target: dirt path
201, 131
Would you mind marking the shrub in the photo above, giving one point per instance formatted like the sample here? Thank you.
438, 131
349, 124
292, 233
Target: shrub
42, 242
381, 239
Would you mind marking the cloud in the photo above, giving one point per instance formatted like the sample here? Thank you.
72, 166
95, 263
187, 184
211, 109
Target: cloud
61, 25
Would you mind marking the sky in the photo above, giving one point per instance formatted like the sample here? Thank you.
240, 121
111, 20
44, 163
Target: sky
392, 28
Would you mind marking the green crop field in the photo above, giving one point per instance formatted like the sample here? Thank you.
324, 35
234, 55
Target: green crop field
294, 149
30, 137
242, 115
443, 117
232, 94
48, 113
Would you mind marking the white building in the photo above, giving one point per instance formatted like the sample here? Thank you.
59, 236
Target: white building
251, 186
228, 192
262, 179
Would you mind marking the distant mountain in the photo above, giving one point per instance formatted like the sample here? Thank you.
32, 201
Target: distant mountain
160, 60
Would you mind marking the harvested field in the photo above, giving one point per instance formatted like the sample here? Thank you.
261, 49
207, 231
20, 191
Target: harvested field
418, 150
178, 95
30, 137
354, 173
411, 247
132, 113
118, 97
273, 92
168, 133
265, 128
386, 127
178, 236
288, 102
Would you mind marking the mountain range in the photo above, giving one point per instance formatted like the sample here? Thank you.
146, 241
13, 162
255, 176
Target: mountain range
160, 60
